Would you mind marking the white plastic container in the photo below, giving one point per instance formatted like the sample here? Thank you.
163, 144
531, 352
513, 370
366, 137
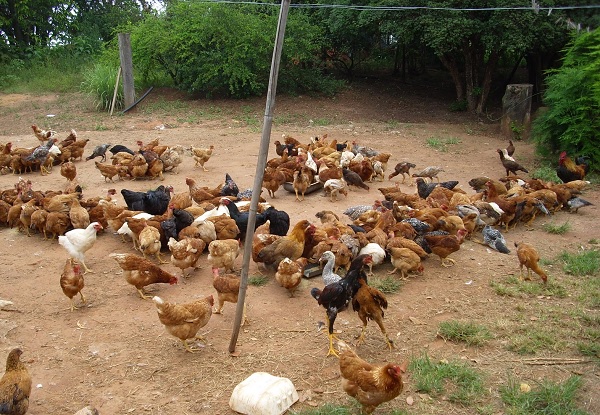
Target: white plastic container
263, 394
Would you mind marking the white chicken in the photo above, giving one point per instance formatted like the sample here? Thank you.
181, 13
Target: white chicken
376, 252
78, 241
335, 186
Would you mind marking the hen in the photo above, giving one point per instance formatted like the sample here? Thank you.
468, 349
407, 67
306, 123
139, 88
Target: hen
290, 246
376, 252
99, 151
352, 178
300, 183
222, 254
186, 252
337, 296
444, 245
370, 385
154, 202
405, 260
227, 287
202, 155
241, 218
510, 166
184, 320
329, 277
71, 281
494, 239
279, 221
576, 202
529, 257
15, 386
289, 273
42, 135
569, 170
40, 154
229, 188
334, 187
429, 172
68, 171
78, 241
149, 239
141, 272
369, 303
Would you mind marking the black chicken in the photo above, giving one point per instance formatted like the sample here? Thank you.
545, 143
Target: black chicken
154, 202
118, 148
424, 189
230, 188
353, 178
99, 151
336, 296
279, 221
241, 218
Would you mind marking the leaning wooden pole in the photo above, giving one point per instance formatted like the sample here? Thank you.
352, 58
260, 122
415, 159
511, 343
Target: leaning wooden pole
260, 170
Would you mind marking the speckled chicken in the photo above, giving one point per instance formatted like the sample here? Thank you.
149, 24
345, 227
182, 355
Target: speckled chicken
430, 172
289, 273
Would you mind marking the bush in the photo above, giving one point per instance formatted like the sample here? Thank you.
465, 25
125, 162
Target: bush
99, 82
572, 123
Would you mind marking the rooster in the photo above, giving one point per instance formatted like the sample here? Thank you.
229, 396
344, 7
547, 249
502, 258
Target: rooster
78, 241
337, 296
569, 170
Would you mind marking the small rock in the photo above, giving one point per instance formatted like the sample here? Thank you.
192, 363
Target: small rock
88, 410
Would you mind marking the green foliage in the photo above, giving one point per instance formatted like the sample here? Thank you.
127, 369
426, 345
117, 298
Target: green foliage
470, 333
459, 382
258, 280
100, 84
582, 263
327, 409
387, 285
533, 339
547, 174
547, 398
557, 229
226, 50
572, 121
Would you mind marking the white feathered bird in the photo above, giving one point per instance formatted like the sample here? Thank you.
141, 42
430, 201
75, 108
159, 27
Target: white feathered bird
377, 253
78, 241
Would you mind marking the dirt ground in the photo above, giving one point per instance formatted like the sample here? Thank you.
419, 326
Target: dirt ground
114, 354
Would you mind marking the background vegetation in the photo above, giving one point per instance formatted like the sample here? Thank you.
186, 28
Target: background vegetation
217, 49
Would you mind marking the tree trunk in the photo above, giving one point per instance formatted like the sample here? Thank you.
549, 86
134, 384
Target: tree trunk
452, 67
470, 77
486, 82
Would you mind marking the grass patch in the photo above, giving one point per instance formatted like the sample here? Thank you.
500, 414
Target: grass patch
557, 229
532, 339
258, 280
581, 263
547, 398
441, 144
513, 287
470, 333
547, 174
321, 122
327, 409
457, 381
387, 285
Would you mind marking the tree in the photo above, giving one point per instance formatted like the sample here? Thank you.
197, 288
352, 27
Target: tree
572, 120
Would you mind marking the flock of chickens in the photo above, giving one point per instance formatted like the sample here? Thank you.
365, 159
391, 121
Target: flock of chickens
406, 227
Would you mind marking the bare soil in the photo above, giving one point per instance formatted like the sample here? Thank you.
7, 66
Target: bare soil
114, 354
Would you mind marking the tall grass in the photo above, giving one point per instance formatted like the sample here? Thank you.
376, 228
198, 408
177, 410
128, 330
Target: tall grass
100, 84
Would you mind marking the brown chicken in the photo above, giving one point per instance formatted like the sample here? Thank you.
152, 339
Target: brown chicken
71, 281
225, 227
79, 216
57, 224
109, 171
186, 252
138, 167
405, 260
141, 272
222, 254
199, 193
184, 320
228, 287
529, 257
68, 170
301, 183
15, 385
149, 239
289, 273
369, 303
38, 221
290, 246
444, 245
155, 169
272, 180
370, 385
202, 155
42, 135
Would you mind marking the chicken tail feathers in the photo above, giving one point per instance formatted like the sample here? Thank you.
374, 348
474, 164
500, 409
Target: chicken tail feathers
500, 247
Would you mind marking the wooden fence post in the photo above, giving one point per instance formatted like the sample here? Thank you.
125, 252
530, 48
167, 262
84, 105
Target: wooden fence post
126, 69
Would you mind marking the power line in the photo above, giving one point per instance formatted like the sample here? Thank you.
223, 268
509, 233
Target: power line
535, 7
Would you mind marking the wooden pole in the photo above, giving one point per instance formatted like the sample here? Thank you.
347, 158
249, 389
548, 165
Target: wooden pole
112, 104
127, 69
260, 169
